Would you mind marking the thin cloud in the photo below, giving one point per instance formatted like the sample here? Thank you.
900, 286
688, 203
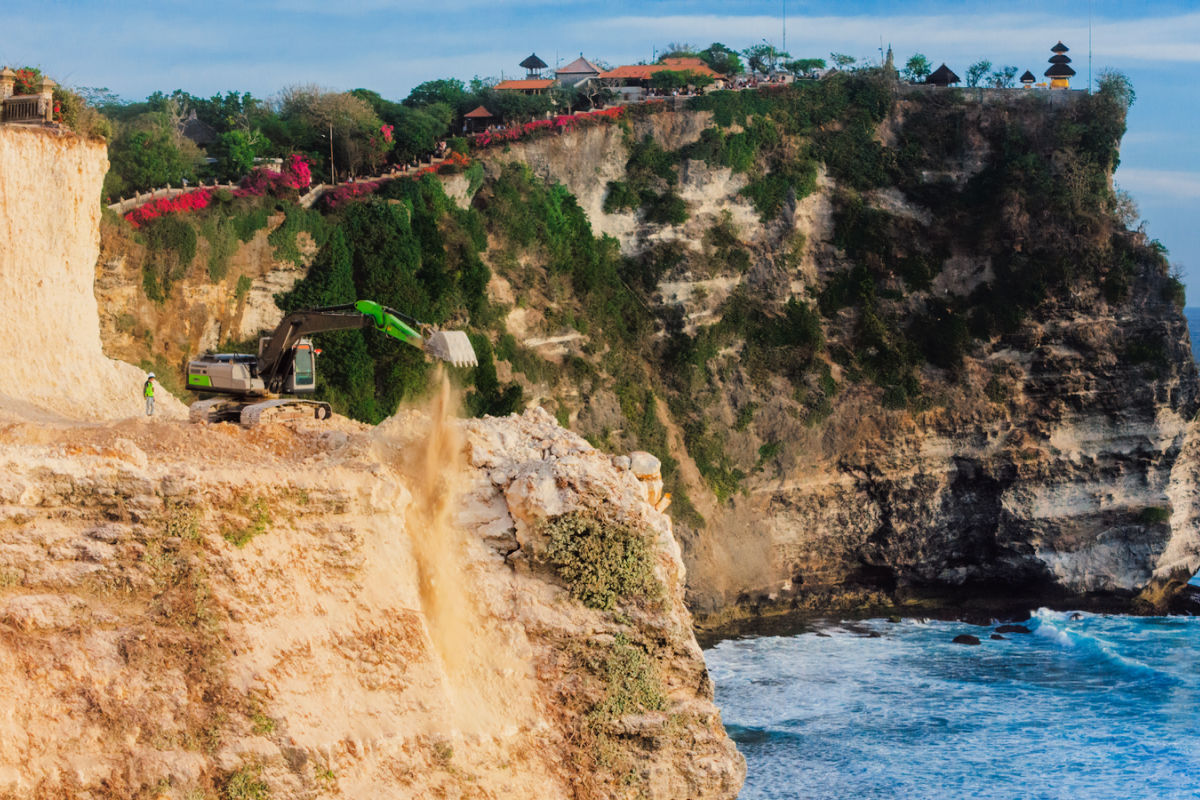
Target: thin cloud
942, 37
1162, 182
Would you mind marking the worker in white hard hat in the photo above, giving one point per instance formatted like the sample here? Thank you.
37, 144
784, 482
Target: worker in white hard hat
148, 392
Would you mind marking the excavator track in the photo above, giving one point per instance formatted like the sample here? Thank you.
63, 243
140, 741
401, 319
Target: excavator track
215, 410
252, 414
223, 409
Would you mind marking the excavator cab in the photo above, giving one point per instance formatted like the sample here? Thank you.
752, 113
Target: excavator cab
301, 374
304, 369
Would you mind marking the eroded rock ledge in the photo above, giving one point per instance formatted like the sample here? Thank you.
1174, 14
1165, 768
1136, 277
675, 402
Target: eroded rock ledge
337, 610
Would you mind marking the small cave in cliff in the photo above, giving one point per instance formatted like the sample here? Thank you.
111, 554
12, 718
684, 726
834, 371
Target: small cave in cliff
874, 576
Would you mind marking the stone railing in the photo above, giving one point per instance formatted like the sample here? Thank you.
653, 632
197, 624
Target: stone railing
126, 204
26, 108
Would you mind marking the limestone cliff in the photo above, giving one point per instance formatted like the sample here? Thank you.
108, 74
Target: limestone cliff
892, 345
51, 360
1053, 462
343, 612
430, 607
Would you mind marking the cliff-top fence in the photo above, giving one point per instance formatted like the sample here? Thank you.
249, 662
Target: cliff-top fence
30, 109
995, 96
126, 204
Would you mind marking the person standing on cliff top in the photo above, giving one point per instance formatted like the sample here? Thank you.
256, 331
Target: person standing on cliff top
148, 392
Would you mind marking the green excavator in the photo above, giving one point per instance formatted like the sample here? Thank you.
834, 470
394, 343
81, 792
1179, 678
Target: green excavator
249, 386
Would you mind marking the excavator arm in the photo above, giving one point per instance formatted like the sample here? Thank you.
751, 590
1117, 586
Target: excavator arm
274, 355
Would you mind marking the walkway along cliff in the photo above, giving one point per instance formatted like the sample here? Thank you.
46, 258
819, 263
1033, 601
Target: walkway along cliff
892, 345
429, 607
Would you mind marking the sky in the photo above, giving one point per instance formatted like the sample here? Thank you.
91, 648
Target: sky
135, 47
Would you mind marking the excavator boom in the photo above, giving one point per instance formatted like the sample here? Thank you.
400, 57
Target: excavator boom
286, 359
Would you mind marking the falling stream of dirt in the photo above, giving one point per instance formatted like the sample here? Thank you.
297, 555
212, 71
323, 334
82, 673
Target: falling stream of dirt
489, 692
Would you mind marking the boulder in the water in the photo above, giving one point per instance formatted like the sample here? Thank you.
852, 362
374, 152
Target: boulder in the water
999, 637
1013, 629
966, 638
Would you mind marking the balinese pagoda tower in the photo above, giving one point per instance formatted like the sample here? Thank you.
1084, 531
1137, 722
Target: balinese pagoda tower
1059, 73
534, 66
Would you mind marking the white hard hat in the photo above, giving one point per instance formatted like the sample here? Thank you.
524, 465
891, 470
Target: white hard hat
151, 375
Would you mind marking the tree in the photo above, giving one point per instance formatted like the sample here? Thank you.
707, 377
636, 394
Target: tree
596, 92
353, 123
721, 59
678, 50
1116, 86
235, 152
417, 131
1125, 208
802, 67
669, 79
99, 97
1004, 78
917, 69
147, 155
444, 90
843, 61
762, 58
478, 84
976, 71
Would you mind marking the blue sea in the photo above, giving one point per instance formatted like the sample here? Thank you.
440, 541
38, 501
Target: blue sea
1086, 707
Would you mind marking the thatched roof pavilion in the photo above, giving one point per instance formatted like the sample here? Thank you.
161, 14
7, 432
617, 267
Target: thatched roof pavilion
534, 66
942, 76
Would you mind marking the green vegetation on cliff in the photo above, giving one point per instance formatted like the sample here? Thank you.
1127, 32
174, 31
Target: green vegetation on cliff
915, 181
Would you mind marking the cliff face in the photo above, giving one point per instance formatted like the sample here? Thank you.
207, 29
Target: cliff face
891, 345
343, 610
51, 360
426, 608
1055, 459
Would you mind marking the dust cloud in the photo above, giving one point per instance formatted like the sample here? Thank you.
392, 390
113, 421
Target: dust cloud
490, 688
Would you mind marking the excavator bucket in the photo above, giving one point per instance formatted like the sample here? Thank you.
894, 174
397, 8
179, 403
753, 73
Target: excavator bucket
452, 346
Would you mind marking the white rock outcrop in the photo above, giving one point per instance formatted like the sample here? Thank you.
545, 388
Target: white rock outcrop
51, 361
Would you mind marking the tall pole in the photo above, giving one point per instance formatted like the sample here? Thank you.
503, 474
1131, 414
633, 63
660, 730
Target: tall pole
784, 47
1089, 46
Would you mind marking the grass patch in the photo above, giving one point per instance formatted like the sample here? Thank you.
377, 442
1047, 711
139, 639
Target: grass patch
261, 724
222, 243
631, 682
603, 563
245, 783
1154, 515
171, 247
243, 287
259, 520
297, 219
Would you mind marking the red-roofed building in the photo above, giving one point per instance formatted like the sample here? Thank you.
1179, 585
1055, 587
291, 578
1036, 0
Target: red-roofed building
632, 80
477, 120
577, 71
690, 64
527, 86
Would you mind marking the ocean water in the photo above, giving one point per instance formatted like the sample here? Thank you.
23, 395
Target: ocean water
1086, 707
